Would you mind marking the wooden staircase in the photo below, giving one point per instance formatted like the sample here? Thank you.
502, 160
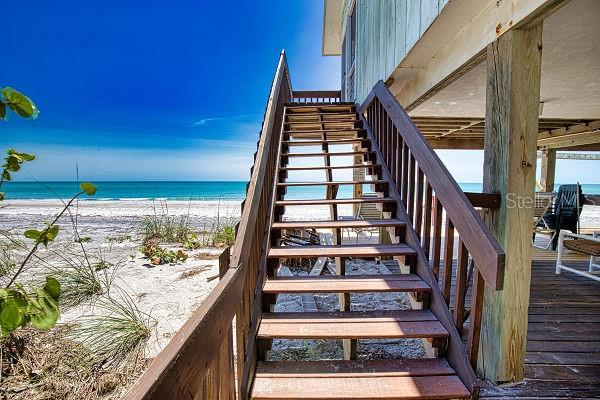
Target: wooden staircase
222, 351
321, 126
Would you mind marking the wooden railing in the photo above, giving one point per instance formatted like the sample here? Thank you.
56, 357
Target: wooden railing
316, 96
199, 361
436, 206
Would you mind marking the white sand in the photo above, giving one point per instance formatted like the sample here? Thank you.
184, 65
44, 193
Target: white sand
113, 227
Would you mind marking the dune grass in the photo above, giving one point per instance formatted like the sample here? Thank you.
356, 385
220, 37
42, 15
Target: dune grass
160, 227
117, 331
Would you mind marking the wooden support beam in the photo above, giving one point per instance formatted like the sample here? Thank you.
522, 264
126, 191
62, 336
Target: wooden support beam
456, 42
475, 143
548, 170
512, 108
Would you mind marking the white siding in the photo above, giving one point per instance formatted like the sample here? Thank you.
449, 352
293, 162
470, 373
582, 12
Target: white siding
386, 31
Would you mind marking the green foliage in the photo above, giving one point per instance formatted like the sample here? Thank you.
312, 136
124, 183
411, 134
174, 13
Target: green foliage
166, 228
17, 102
84, 239
119, 239
224, 237
159, 255
88, 188
43, 237
12, 163
19, 308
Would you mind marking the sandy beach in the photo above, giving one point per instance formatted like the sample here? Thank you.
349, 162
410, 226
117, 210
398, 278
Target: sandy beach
114, 231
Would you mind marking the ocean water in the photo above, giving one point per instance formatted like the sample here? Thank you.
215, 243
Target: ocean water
196, 190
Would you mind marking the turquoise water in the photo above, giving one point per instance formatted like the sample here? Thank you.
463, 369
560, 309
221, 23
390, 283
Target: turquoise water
198, 190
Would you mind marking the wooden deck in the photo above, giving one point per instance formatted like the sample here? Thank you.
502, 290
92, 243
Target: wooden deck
563, 341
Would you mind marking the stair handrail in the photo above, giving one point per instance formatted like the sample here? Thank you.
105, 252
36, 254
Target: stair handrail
485, 250
423, 188
198, 362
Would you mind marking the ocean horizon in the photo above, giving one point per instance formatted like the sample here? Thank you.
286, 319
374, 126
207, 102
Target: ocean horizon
179, 190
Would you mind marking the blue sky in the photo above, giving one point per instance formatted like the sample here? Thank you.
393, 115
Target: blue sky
156, 90
153, 90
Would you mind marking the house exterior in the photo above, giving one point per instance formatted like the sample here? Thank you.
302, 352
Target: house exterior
515, 78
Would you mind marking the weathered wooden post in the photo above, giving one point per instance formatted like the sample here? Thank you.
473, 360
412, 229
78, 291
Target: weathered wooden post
548, 169
511, 126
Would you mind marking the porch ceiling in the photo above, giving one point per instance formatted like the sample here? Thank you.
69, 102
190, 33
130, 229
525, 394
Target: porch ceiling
570, 83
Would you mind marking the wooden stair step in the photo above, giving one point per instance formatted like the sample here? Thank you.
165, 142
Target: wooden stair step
431, 378
339, 223
321, 131
318, 114
335, 183
352, 325
325, 121
319, 142
346, 284
318, 118
319, 167
348, 153
317, 202
351, 250
299, 107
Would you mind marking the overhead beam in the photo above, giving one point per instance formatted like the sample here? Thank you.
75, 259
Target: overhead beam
456, 144
456, 42
579, 139
333, 11
573, 156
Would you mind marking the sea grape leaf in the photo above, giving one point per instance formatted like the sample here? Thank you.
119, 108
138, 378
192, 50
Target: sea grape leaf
23, 156
1, 196
48, 234
6, 175
10, 316
20, 103
44, 312
3, 111
33, 234
88, 188
13, 163
45, 236
52, 287
51, 232
20, 299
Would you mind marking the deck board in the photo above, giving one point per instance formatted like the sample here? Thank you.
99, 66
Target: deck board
563, 347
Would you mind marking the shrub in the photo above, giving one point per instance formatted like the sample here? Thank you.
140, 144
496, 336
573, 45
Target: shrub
224, 237
159, 255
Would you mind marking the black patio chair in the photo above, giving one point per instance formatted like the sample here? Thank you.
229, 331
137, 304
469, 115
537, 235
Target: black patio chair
564, 213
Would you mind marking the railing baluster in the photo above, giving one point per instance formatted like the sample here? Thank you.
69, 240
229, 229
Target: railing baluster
475, 316
397, 171
411, 188
460, 290
390, 143
405, 173
427, 222
448, 256
418, 221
